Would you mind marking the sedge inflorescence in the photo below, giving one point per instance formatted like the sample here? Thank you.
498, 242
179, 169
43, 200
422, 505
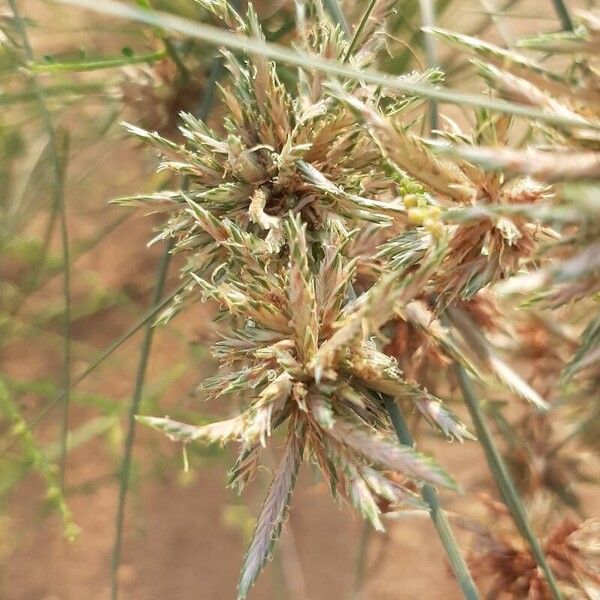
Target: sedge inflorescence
347, 255
273, 209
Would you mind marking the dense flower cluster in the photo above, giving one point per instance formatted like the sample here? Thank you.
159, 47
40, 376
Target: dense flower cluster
321, 223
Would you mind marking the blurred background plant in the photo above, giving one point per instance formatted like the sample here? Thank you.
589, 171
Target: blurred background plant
79, 290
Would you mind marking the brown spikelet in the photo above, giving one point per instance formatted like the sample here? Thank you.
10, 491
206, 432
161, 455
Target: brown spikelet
153, 96
501, 560
272, 514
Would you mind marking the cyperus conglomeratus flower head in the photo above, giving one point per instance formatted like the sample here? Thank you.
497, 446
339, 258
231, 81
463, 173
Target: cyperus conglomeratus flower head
273, 206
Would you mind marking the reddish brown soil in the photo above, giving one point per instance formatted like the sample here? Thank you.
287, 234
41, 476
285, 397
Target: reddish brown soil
177, 545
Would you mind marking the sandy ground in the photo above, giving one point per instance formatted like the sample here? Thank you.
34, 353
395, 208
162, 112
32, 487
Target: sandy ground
177, 544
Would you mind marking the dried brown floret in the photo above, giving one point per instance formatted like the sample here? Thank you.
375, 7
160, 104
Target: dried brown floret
500, 558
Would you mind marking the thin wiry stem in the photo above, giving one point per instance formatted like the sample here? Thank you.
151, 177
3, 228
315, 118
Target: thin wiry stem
50, 91
125, 468
66, 374
334, 9
37, 282
416, 35
95, 65
59, 203
143, 320
41, 263
184, 73
562, 12
428, 20
496, 19
438, 517
216, 72
359, 29
182, 70
219, 37
504, 480
479, 30
202, 113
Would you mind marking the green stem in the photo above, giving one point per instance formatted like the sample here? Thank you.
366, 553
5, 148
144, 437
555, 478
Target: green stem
95, 65
124, 471
359, 29
37, 283
143, 320
59, 203
429, 494
51, 91
219, 37
66, 375
503, 479
85, 246
41, 263
428, 20
563, 14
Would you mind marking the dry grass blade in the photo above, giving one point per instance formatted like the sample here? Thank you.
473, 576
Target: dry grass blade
518, 89
219, 37
221, 431
501, 57
436, 413
253, 424
557, 165
58, 169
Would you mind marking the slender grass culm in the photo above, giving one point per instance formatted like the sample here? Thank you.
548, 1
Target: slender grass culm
277, 52
507, 487
204, 107
440, 521
59, 159
125, 467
